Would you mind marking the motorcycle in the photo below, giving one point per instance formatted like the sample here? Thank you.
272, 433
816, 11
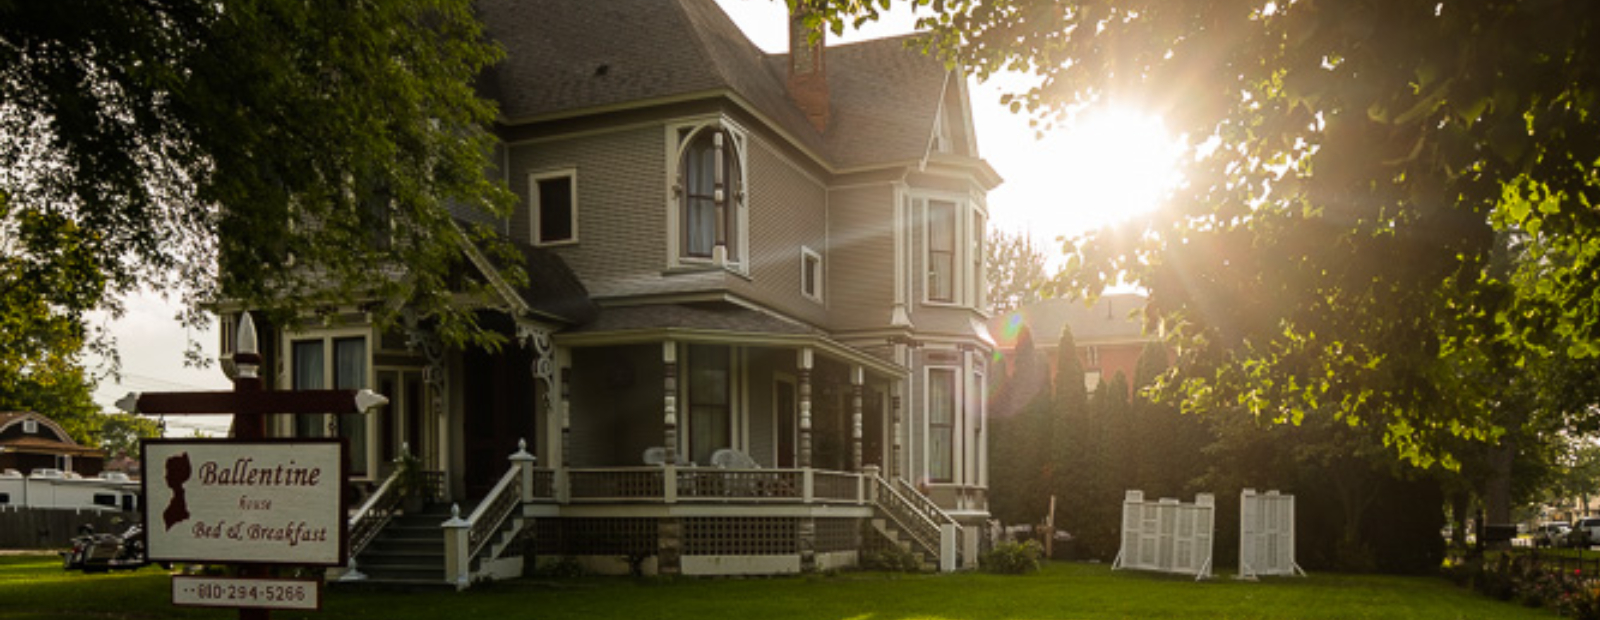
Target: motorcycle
98, 553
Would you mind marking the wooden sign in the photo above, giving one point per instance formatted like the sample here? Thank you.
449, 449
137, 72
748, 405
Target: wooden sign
260, 502
268, 593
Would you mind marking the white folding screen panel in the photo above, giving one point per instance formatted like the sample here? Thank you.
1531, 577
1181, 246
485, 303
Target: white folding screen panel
1167, 536
1266, 535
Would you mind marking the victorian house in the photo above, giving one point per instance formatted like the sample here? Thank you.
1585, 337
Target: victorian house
753, 341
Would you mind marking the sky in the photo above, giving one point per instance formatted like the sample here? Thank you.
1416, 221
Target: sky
1110, 164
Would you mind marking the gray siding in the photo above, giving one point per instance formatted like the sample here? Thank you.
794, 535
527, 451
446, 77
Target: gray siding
622, 206
861, 227
788, 209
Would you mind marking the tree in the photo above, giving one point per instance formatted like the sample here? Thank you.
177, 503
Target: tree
121, 433
205, 148
56, 387
1019, 456
1015, 268
1353, 162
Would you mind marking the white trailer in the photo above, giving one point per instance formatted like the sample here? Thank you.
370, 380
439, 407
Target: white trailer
56, 489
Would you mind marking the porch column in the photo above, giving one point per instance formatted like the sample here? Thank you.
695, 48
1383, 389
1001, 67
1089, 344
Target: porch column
897, 456
433, 447
857, 379
669, 359
564, 413
804, 372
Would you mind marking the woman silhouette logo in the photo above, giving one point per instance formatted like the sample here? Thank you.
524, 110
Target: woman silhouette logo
178, 472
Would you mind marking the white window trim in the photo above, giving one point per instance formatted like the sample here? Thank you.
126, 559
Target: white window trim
535, 208
966, 290
738, 401
807, 254
30, 427
957, 442
958, 271
674, 154
328, 336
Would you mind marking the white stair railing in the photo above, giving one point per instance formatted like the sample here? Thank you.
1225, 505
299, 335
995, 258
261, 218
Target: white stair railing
374, 513
467, 539
935, 532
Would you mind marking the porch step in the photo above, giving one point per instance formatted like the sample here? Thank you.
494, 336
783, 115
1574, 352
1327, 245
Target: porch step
892, 533
408, 553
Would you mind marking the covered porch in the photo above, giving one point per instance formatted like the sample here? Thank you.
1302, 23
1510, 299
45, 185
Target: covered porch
724, 387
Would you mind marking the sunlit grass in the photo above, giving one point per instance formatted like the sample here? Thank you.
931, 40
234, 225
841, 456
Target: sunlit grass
36, 587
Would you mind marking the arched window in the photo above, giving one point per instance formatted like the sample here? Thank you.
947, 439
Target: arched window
710, 182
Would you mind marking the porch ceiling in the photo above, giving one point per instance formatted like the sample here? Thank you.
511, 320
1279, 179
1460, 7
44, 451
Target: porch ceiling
714, 323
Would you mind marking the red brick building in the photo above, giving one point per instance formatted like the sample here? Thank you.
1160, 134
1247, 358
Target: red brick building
1110, 334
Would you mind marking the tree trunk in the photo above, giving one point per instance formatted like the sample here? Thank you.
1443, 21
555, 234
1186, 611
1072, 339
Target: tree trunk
1497, 491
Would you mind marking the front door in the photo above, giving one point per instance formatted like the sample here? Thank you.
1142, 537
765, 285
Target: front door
500, 399
399, 423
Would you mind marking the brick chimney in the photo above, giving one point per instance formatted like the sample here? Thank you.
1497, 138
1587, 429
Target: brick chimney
808, 75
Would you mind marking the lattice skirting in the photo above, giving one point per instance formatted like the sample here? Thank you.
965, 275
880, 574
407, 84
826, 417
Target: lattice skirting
705, 541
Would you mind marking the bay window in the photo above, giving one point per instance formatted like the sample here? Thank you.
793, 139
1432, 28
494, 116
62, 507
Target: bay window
941, 251
941, 424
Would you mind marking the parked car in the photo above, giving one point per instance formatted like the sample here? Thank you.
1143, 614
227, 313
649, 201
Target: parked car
1584, 533
1551, 534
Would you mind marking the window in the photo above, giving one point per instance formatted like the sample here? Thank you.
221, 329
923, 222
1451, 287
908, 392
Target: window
5, 499
554, 200
941, 423
308, 375
810, 274
977, 288
348, 371
941, 251
710, 381
710, 192
108, 500
30, 426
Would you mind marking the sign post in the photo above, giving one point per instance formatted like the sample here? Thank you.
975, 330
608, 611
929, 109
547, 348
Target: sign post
247, 501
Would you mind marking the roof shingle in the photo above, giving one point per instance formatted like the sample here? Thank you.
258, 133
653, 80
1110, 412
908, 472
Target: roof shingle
573, 56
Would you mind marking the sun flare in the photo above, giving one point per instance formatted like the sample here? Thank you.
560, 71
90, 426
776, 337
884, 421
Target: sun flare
1105, 166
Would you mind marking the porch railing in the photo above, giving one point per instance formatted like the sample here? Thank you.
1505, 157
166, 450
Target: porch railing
468, 540
374, 513
924, 521
672, 484
490, 514
923, 505
923, 531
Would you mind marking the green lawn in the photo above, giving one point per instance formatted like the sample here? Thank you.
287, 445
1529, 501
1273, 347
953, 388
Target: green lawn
36, 587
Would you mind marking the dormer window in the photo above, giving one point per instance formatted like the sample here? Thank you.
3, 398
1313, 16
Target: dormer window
709, 195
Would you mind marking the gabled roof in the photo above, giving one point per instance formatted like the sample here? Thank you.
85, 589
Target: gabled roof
553, 291
573, 57
51, 439
885, 100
